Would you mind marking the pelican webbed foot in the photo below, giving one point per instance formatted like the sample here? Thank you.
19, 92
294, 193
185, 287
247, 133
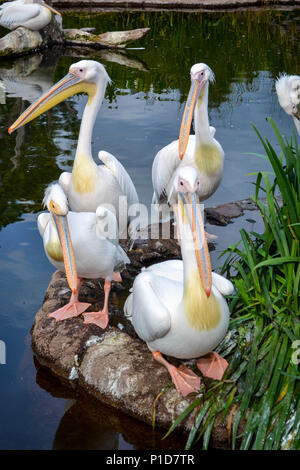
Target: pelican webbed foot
212, 365
73, 309
100, 318
184, 379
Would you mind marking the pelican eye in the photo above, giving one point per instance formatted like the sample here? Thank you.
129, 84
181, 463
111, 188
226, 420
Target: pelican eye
54, 207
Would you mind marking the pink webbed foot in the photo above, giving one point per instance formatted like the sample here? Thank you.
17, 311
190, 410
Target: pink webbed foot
72, 309
184, 379
212, 365
98, 318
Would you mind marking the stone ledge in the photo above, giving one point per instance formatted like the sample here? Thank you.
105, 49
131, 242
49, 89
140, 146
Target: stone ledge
203, 5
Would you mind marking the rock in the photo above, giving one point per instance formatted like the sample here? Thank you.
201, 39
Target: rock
186, 5
114, 39
114, 371
76, 34
115, 366
20, 40
117, 38
222, 214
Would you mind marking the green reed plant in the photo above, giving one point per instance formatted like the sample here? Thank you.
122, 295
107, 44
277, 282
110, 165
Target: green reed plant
259, 395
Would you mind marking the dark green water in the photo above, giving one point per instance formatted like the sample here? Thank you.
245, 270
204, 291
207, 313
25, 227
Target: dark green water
140, 115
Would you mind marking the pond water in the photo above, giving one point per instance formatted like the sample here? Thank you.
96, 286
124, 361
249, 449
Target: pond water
141, 113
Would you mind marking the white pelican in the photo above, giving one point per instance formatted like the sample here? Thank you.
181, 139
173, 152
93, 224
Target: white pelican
288, 92
177, 306
31, 14
201, 151
89, 185
83, 244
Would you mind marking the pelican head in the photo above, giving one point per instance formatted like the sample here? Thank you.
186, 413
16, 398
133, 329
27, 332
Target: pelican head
186, 182
57, 204
85, 76
55, 200
201, 75
288, 92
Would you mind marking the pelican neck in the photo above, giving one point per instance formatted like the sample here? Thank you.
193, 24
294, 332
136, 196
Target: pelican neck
201, 121
84, 145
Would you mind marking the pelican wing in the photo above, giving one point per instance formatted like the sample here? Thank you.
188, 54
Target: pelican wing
42, 222
224, 286
65, 181
163, 168
14, 13
121, 175
149, 315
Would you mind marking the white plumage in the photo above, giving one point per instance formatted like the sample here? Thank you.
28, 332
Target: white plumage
31, 14
288, 92
156, 310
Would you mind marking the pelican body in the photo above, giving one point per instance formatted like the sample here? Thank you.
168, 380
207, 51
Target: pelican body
288, 92
200, 151
89, 185
31, 14
80, 244
177, 307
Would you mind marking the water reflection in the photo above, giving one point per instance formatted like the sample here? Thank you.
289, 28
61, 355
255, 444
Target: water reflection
141, 113
89, 424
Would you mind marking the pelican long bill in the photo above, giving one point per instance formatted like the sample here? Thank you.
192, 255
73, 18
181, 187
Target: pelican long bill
61, 223
192, 207
50, 8
187, 118
67, 86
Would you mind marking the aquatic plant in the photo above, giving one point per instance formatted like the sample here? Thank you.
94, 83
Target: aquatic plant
259, 395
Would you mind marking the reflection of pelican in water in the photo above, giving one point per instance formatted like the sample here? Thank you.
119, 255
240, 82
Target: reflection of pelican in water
27, 78
31, 14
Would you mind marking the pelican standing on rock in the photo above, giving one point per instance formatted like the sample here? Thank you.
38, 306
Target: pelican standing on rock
89, 185
31, 14
200, 151
84, 245
288, 92
177, 306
